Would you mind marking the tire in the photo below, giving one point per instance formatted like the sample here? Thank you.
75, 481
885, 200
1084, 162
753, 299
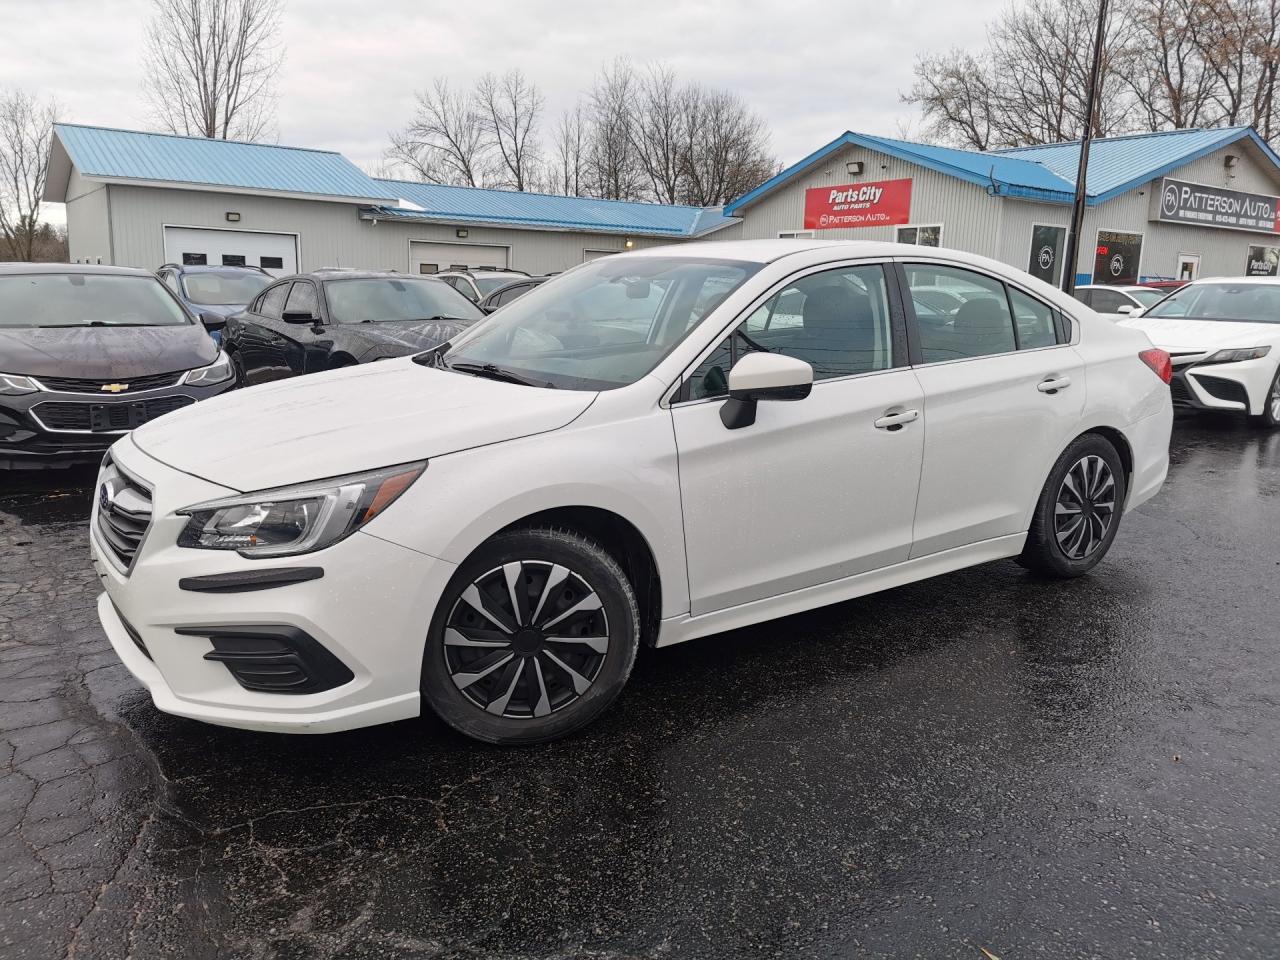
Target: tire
512, 684
1269, 418
1088, 481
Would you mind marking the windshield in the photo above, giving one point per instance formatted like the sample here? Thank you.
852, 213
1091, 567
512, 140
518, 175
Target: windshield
1148, 297
602, 325
378, 299
1248, 302
83, 300
223, 289
489, 284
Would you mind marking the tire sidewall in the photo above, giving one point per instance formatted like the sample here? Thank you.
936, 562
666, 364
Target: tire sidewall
586, 559
1089, 445
1266, 418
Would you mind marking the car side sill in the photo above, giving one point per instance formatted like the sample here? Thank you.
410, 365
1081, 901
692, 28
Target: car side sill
678, 629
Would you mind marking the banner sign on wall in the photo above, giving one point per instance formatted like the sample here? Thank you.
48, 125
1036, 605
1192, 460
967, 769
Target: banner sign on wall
1181, 202
849, 205
1262, 262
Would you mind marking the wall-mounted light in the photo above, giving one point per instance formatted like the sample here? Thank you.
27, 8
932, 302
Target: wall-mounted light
628, 243
233, 217
461, 234
853, 168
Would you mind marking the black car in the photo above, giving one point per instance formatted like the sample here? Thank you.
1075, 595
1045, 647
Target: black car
335, 318
510, 291
87, 353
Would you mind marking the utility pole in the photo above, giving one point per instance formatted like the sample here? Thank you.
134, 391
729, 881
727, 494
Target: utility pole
1091, 111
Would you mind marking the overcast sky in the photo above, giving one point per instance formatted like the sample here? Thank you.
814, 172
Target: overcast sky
812, 69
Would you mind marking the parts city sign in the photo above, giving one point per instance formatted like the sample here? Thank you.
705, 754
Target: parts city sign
849, 205
1178, 201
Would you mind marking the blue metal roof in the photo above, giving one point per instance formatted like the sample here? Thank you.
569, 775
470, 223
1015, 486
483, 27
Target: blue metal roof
130, 155
1046, 173
433, 201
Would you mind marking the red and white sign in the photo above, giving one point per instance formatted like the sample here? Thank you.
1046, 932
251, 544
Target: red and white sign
879, 204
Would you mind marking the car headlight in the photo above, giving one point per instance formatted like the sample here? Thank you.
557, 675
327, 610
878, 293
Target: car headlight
216, 372
1235, 356
13, 385
298, 519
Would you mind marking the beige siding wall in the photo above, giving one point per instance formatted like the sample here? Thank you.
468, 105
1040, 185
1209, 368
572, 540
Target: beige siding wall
1222, 252
88, 221
970, 218
330, 234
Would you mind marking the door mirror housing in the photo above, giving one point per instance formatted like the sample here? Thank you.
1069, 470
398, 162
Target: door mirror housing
299, 316
1125, 309
763, 376
212, 321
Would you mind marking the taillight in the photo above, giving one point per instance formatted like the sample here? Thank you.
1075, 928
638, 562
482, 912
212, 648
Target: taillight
1159, 361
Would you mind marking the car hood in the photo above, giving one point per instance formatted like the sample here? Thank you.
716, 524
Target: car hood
394, 338
1177, 335
104, 353
344, 421
221, 309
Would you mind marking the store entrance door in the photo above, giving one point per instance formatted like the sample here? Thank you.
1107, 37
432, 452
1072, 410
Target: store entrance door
1188, 266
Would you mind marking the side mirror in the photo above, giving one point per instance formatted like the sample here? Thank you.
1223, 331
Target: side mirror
763, 376
1125, 309
488, 307
212, 321
298, 316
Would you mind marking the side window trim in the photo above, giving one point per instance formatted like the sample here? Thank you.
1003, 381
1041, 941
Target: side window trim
681, 392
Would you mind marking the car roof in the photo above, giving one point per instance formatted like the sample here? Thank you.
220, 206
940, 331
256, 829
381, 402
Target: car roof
1261, 280
213, 268
1122, 287
342, 273
83, 268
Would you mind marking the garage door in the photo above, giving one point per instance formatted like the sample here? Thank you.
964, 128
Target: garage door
427, 257
277, 253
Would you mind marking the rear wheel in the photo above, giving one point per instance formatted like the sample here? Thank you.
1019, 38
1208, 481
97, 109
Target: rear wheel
1270, 415
534, 637
1079, 510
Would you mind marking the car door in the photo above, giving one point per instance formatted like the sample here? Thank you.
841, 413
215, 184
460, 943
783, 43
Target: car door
1002, 399
305, 344
814, 490
259, 341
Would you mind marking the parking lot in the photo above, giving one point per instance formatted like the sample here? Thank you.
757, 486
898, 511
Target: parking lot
983, 762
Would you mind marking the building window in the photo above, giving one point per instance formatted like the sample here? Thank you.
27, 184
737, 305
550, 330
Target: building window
195, 260
1045, 262
1117, 257
925, 235
233, 260
1262, 262
795, 234
271, 263
428, 268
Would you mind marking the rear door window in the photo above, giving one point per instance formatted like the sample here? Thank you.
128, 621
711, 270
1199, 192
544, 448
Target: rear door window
981, 325
1034, 320
272, 302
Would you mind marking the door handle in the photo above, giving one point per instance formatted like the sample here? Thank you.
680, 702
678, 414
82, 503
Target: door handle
1053, 384
896, 421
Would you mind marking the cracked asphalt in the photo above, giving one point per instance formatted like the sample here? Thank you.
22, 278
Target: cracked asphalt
983, 762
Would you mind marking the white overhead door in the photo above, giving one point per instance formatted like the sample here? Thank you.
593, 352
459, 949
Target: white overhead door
277, 253
430, 257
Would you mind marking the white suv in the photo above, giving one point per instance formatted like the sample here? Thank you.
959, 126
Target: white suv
491, 529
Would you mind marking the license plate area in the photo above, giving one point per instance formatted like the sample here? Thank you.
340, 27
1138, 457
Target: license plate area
111, 417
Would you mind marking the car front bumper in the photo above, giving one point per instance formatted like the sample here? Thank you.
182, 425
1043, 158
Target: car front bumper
54, 428
1241, 387
369, 612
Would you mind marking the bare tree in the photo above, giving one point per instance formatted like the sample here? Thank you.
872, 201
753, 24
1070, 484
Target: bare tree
726, 149
445, 141
1165, 66
956, 98
659, 123
26, 130
211, 67
613, 169
509, 108
567, 175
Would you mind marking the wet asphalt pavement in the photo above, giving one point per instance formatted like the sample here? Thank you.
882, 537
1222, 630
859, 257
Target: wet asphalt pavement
986, 761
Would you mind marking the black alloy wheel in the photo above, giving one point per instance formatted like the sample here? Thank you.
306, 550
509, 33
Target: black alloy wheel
533, 638
1085, 507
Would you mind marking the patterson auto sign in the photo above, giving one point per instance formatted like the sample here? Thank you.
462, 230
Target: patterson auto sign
879, 204
1181, 202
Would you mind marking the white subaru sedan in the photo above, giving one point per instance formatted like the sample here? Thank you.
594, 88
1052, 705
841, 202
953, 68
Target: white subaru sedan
1224, 339
491, 529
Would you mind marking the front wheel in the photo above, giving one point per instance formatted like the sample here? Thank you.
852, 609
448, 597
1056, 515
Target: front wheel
1078, 513
534, 638
1270, 415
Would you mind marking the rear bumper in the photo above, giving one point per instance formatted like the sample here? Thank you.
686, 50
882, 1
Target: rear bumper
1149, 442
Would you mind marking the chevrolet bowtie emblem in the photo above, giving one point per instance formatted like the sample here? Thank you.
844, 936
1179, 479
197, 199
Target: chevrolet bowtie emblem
114, 387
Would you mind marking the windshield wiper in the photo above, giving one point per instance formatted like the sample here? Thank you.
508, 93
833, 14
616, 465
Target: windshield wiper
494, 372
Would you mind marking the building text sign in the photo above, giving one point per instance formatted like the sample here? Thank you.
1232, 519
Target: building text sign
1181, 202
848, 205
